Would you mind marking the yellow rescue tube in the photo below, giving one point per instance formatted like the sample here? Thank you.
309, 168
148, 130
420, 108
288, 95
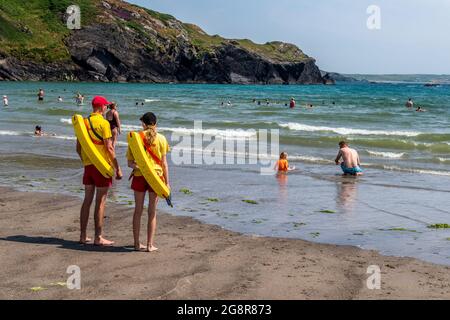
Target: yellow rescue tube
89, 148
146, 166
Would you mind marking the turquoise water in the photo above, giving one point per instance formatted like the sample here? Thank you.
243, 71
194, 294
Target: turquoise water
405, 154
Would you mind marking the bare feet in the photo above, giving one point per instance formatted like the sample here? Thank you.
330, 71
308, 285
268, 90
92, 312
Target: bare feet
100, 241
140, 247
152, 249
85, 240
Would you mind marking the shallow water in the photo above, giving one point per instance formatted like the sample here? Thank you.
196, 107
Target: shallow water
406, 157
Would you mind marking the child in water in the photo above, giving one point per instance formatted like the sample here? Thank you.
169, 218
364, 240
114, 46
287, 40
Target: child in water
282, 165
157, 148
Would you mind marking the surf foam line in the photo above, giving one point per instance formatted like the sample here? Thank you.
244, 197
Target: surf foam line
218, 133
347, 131
388, 155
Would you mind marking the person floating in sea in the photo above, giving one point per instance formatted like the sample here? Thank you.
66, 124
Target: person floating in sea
5, 101
157, 148
259, 103
38, 131
41, 95
410, 103
60, 99
229, 104
95, 184
267, 102
292, 103
419, 109
282, 165
351, 162
114, 121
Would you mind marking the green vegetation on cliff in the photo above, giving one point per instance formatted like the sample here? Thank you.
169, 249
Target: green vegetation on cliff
35, 30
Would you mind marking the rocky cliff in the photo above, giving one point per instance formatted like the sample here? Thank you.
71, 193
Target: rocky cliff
123, 42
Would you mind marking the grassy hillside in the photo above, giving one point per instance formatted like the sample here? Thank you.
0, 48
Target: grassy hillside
35, 29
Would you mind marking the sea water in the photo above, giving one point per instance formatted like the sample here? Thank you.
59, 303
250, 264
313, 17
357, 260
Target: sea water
405, 155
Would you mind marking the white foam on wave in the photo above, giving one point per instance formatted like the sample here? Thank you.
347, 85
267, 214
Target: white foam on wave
218, 133
419, 171
10, 133
65, 120
62, 137
347, 131
389, 155
151, 100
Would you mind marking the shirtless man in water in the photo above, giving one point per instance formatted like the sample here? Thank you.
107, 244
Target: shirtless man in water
351, 162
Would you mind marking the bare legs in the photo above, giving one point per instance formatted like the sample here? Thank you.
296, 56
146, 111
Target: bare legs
151, 226
89, 192
115, 133
99, 213
139, 198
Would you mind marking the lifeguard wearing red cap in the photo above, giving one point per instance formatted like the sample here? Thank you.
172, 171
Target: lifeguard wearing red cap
99, 101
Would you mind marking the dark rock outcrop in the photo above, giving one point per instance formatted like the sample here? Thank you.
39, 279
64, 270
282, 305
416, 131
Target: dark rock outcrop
132, 44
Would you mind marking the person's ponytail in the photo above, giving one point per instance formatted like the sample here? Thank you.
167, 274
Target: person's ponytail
150, 134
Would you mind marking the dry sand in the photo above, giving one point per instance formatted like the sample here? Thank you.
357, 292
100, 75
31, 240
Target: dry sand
38, 241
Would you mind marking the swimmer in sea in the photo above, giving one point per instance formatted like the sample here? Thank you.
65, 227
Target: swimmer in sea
38, 131
351, 162
419, 109
5, 101
409, 104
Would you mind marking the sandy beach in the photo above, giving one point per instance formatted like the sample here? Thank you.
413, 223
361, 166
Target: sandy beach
38, 241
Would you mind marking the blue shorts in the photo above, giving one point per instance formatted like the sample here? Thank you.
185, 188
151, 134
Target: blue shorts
353, 171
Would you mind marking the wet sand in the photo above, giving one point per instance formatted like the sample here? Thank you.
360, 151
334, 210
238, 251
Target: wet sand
38, 241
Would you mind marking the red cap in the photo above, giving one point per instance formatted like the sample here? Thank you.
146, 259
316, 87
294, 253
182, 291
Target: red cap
100, 101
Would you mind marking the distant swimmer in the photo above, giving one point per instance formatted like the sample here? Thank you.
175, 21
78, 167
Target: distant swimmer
79, 99
259, 103
5, 101
41, 95
292, 103
267, 101
409, 104
282, 165
38, 131
229, 104
351, 162
60, 99
419, 109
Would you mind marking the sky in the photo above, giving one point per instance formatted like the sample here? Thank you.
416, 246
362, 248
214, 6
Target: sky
413, 35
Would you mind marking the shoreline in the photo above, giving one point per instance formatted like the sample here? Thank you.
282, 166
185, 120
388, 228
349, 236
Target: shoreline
39, 234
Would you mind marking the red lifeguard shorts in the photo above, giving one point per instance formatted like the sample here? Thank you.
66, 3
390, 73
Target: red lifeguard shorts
139, 184
93, 177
